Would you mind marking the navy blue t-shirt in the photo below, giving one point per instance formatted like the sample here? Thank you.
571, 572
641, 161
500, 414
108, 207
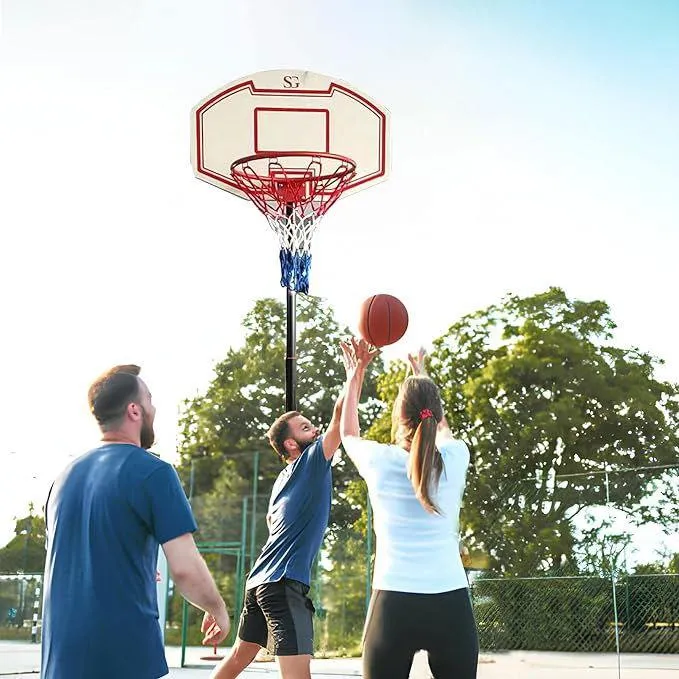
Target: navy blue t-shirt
299, 509
106, 515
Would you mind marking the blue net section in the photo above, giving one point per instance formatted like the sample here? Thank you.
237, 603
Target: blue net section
295, 267
293, 191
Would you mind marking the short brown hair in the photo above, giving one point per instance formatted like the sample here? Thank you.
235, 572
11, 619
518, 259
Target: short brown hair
112, 392
279, 432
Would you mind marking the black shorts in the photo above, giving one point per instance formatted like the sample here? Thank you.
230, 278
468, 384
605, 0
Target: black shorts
400, 624
279, 616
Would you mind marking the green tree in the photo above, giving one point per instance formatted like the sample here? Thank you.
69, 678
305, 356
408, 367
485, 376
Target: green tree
25, 552
222, 428
553, 412
667, 564
540, 391
601, 549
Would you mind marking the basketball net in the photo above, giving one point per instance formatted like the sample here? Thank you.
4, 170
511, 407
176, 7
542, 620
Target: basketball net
293, 191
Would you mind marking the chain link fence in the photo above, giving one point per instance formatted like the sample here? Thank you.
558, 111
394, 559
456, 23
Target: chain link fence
617, 587
584, 562
20, 606
601, 577
579, 613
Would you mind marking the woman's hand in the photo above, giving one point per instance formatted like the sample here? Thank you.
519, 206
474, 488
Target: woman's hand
417, 362
357, 355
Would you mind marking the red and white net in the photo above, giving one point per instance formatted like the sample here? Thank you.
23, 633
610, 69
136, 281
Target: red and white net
294, 191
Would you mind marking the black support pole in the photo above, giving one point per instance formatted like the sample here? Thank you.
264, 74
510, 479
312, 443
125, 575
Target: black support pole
290, 354
291, 343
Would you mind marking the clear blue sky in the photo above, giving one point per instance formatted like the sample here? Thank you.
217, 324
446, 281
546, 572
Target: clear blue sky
534, 144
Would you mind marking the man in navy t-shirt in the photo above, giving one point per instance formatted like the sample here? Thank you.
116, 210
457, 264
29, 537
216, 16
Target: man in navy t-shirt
277, 613
106, 515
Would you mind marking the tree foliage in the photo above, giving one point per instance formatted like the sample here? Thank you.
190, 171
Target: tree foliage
547, 403
222, 428
558, 418
25, 552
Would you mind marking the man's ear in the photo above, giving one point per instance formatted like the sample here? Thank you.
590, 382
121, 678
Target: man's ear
134, 411
290, 445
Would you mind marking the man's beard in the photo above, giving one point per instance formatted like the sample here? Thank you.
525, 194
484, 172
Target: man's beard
302, 444
146, 436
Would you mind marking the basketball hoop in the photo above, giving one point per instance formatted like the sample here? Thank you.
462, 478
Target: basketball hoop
242, 140
293, 190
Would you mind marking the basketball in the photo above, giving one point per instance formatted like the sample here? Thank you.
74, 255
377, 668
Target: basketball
383, 320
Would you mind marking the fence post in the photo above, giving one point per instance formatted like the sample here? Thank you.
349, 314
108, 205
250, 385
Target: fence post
253, 524
185, 629
368, 553
240, 562
36, 607
614, 566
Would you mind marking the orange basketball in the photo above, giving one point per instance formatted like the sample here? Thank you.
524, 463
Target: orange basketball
383, 320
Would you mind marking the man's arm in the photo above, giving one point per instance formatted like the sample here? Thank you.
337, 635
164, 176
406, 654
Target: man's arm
331, 437
192, 577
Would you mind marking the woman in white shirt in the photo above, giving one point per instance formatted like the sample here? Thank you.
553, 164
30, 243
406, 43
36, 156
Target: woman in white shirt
420, 599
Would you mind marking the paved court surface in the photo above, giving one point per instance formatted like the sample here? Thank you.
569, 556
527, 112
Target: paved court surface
19, 660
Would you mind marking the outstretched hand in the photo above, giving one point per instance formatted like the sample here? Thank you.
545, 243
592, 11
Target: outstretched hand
417, 362
357, 355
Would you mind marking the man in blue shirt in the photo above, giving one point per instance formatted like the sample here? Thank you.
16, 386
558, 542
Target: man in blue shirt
106, 515
277, 613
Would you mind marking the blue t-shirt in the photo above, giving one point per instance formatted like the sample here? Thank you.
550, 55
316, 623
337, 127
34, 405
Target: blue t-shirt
106, 515
299, 509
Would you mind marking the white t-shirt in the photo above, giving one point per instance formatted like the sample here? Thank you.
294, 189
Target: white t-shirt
416, 551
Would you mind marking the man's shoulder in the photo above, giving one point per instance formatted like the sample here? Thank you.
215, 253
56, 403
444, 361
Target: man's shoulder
140, 462
296, 473
109, 457
314, 447
148, 464
313, 457
311, 452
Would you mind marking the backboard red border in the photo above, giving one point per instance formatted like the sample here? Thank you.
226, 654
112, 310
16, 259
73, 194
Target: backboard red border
226, 182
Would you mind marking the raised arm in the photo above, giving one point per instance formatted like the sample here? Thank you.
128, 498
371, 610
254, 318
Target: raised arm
418, 368
331, 437
356, 357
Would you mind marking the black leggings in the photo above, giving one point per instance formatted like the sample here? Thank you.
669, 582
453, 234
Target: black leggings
399, 624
